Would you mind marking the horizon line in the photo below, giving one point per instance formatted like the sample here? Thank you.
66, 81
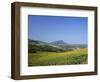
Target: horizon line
58, 40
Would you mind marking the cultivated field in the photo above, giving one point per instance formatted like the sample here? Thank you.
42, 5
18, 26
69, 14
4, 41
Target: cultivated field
75, 56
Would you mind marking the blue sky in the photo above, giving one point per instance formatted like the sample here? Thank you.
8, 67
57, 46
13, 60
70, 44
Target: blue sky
72, 30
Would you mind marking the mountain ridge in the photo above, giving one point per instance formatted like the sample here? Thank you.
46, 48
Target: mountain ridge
55, 43
55, 46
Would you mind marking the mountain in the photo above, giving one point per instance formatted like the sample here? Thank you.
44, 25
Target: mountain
36, 42
59, 42
55, 46
35, 45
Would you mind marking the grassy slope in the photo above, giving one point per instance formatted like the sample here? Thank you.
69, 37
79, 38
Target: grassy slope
78, 56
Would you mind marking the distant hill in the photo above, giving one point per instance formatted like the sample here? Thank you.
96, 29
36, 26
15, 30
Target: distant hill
59, 42
80, 45
60, 45
36, 42
35, 45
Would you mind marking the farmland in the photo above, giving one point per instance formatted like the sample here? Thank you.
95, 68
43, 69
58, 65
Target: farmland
46, 58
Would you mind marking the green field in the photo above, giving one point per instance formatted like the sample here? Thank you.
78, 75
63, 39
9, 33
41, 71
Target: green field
75, 56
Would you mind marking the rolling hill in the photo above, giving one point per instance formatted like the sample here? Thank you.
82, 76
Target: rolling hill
55, 46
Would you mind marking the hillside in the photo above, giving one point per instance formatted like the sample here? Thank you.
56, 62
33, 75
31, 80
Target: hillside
78, 56
55, 46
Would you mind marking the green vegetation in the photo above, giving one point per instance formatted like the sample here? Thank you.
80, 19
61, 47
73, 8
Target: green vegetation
45, 58
55, 53
48, 48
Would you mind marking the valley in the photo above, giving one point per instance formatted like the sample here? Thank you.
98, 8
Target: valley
56, 53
